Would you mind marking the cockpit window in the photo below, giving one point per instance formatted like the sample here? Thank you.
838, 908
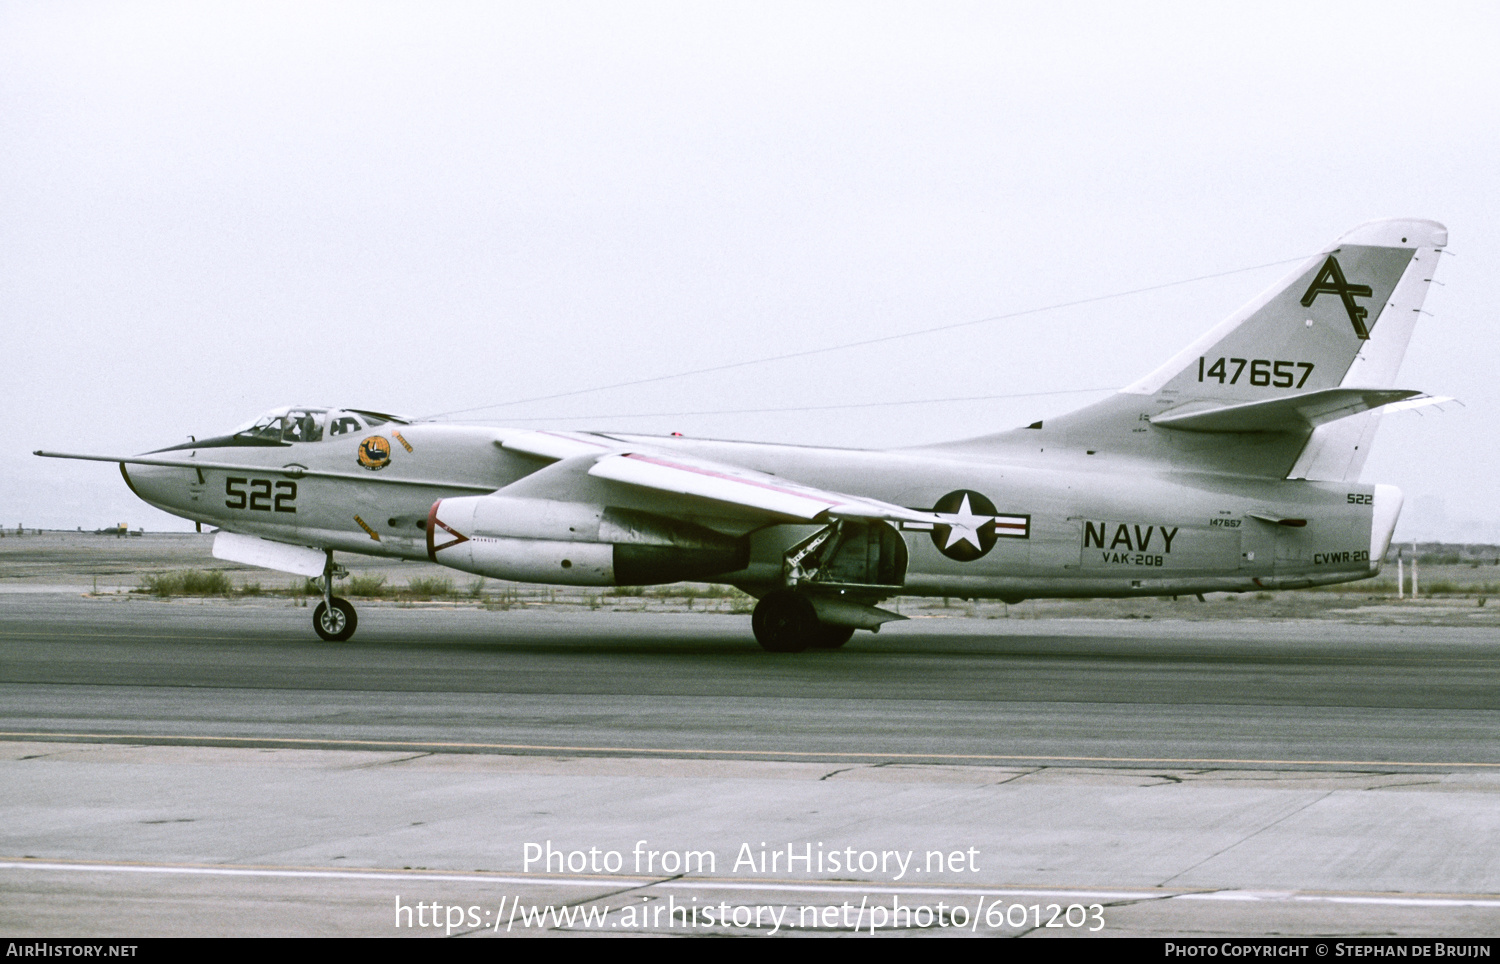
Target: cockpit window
303, 425
292, 425
342, 424
286, 425
267, 427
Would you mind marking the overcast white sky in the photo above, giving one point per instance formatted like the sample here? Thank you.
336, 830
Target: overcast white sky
210, 209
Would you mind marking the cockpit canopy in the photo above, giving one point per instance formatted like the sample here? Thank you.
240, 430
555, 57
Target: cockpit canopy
295, 424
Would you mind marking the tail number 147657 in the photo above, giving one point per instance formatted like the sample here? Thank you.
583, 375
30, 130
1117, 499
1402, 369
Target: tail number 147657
1263, 371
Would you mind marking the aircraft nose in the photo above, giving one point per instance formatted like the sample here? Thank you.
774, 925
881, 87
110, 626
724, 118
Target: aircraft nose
169, 489
128, 483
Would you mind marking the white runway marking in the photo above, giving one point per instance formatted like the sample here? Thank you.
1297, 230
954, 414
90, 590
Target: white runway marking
789, 886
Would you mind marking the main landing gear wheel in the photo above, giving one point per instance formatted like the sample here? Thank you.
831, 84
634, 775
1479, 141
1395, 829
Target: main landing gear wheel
335, 623
831, 637
785, 622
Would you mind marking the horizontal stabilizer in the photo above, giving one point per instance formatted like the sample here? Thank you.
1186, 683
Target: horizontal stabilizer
1292, 413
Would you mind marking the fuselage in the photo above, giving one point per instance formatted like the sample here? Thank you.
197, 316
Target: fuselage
1021, 528
1232, 466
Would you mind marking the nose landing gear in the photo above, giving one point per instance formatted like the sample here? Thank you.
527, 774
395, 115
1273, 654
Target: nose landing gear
334, 619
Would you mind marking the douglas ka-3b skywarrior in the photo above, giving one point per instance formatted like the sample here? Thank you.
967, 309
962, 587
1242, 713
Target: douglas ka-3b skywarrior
1232, 467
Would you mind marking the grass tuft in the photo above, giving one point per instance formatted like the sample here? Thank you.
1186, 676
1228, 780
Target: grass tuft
424, 588
187, 582
364, 586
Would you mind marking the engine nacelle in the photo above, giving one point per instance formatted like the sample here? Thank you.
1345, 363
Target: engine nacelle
573, 543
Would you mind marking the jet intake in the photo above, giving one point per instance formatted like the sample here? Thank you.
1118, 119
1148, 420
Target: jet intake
573, 543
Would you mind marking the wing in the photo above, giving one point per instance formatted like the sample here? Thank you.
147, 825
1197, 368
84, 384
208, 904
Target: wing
663, 473
730, 485
553, 446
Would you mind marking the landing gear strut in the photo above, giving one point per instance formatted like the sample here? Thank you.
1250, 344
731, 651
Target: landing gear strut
785, 622
848, 565
334, 619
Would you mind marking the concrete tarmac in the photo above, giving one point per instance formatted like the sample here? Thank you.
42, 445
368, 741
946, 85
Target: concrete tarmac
185, 767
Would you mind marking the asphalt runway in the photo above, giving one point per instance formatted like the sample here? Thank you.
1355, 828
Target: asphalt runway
931, 689
1308, 777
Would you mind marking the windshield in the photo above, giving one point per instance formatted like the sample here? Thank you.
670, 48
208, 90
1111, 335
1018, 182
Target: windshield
286, 425
290, 424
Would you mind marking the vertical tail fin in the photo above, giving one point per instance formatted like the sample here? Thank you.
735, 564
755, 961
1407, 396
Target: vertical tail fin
1341, 320
1345, 313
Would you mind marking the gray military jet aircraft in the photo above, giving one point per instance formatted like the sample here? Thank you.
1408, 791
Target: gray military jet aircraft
1232, 467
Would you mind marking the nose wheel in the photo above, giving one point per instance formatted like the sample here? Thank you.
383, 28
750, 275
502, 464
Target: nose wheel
335, 622
334, 619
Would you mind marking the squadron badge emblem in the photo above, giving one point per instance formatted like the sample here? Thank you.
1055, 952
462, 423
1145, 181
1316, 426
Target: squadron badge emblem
375, 453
